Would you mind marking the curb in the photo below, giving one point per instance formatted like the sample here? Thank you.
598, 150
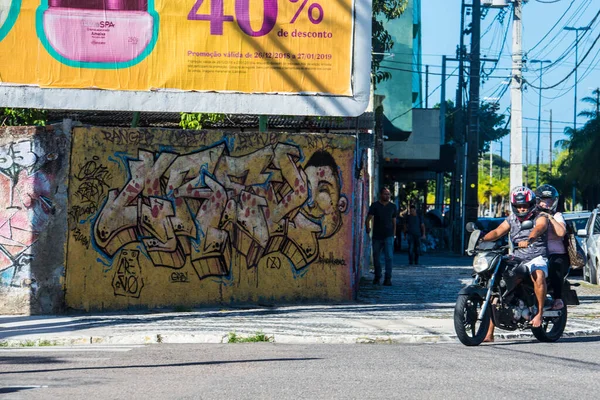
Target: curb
176, 338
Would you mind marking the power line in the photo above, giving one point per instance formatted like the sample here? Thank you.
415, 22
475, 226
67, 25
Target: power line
435, 73
570, 73
553, 26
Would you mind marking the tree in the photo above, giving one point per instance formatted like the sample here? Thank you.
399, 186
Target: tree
381, 40
581, 164
492, 126
593, 100
22, 117
196, 121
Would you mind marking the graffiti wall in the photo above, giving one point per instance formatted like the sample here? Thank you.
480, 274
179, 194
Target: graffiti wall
33, 170
159, 218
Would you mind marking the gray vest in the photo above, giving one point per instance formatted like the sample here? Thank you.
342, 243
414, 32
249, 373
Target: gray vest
537, 248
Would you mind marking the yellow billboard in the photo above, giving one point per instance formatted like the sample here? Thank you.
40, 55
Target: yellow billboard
233, 46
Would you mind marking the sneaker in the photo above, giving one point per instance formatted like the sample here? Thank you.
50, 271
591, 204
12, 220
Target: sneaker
387, 282
376, 281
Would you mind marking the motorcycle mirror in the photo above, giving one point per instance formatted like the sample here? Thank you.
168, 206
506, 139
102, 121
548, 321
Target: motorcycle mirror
527, 224
470, 227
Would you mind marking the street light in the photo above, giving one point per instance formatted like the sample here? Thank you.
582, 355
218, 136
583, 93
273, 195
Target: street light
577, 30
537, 159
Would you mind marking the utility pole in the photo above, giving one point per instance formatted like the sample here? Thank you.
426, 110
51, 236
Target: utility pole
537, 159
550, 141
427, 86
577, 30
516, 100
527, 157
472, 178
501, 159
439, 180
491, 151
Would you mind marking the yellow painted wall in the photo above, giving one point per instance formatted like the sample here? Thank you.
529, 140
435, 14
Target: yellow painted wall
160, 218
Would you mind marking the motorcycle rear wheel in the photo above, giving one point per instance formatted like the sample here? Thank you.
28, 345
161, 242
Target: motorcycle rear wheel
552, 328
469, 329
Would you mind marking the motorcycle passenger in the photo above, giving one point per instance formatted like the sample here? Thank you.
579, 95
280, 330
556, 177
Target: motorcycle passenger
532, 247
558, 259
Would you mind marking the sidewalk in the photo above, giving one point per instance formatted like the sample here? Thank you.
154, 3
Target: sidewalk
417, 309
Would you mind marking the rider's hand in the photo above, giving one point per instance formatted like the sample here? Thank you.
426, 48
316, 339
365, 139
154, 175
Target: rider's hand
523, 244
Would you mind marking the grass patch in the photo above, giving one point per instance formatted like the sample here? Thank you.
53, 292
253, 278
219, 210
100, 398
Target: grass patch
27, 343
233, 337
46, 343
3, 344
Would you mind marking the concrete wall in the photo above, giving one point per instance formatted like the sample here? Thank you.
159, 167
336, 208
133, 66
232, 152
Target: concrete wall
33, 223
423, 143
161, 218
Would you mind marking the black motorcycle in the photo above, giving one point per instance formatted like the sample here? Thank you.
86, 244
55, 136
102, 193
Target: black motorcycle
502, 291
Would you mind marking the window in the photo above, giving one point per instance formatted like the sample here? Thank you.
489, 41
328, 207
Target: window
596, 226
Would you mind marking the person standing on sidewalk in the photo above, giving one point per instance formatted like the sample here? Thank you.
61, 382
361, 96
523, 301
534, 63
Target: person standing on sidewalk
383, 214
414, 230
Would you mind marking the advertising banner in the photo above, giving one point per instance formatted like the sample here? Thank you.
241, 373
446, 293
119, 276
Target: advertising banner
234, 46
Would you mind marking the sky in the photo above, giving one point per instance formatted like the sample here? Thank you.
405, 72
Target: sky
440, 36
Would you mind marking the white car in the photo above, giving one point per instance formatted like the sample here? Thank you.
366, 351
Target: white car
591, 246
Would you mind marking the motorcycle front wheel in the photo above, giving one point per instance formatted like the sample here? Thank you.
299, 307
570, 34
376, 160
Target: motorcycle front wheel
469, 329
552, 328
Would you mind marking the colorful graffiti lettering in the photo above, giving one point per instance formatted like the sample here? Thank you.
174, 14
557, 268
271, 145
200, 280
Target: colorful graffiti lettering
25, 207
205, 205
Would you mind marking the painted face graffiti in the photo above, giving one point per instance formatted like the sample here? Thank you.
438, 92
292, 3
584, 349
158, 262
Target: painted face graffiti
206, 205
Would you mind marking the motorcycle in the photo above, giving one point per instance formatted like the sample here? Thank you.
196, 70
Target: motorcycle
502, 292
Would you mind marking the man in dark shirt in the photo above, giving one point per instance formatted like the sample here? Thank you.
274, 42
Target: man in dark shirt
414, 229
383, 214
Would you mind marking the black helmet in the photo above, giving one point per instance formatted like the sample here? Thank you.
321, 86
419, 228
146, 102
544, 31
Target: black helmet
522, 196
547, 192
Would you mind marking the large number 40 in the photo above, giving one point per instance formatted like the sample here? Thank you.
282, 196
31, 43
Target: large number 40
242, 12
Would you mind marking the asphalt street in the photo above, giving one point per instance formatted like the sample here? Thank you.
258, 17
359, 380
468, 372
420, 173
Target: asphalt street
512, 369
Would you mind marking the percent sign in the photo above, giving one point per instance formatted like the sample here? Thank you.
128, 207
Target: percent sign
311, 8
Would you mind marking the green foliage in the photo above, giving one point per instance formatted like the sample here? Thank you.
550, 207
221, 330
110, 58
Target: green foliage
22, 117
381, 40
492, 126
257, 337
580, 165
196, 121
3, 343
44, 343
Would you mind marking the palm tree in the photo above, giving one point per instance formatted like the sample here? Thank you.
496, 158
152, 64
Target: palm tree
595, 101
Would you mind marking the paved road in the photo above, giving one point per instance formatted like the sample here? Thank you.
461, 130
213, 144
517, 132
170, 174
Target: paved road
417, 308
512, 369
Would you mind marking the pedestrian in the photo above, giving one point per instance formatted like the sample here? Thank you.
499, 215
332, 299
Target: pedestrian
558, 259
383, 214
414, 231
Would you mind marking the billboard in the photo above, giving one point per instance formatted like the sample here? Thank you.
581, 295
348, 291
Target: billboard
298, 56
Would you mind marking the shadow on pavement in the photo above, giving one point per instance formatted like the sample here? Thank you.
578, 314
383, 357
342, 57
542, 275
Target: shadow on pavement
190, 364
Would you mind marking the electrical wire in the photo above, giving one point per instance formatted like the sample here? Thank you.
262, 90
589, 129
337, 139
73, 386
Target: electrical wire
572, 71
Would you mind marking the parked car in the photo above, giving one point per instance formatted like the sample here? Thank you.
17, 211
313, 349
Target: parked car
576, 221
590, 236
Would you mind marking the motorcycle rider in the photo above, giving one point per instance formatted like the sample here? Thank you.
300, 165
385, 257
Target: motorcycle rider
558, 259
531, 245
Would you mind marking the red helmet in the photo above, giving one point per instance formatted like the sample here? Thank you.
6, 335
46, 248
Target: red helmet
520, 197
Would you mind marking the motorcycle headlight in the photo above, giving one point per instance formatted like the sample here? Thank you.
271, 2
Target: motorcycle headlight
480, 264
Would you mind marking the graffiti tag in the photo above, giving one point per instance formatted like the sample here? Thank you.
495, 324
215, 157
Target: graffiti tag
128, 280
202, 206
